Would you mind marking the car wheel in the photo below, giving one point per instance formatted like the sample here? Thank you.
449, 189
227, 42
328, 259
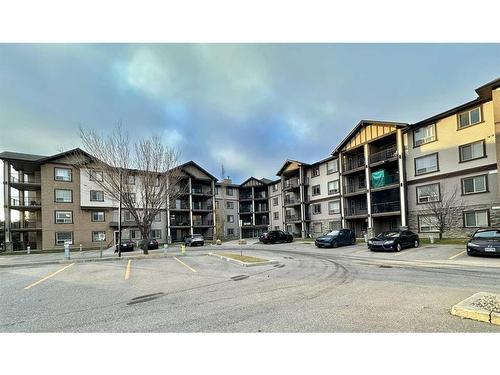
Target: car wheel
470, 253
398, 247
335, 244
416, 243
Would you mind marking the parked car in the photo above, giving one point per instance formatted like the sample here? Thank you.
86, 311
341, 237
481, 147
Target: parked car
484, 241
274, 236
126, 245
194, 240
153, 244
336, 238
394, 240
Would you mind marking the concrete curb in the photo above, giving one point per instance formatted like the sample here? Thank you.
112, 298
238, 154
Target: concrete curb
466, 309
244, 264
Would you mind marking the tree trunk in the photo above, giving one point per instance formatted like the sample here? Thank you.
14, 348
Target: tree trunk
145, 242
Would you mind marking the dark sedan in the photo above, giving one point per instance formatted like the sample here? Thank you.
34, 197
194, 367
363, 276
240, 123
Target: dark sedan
484, 241
152, 245
194, 240
125, 246
336, 238
394, 241
274, 236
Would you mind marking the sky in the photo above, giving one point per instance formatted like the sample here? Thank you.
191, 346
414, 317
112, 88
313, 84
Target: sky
248, 107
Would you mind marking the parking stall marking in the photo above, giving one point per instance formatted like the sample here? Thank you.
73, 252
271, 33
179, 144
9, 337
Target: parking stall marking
49, 276
127, 270
184, 264
457, 255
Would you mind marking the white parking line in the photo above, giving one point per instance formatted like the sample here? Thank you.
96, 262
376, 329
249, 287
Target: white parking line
457, 255
184, 264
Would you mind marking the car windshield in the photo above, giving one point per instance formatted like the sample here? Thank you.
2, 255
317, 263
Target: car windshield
332, 233
197, 236
488, 234
389, 234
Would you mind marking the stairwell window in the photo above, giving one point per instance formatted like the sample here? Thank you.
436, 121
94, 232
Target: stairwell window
469, 118
472, 151
426, 164
423, 135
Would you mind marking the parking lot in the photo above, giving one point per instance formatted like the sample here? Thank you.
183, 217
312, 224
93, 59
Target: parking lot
347, 289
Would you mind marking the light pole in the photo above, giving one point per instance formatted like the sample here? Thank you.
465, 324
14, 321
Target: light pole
120, 216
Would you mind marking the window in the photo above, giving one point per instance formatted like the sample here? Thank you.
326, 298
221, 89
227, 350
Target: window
63, 237
475, 219
469, 118
472, 185
424, 135
155, 234
97, 235
426, 164
230, 205
317, 228
428, 193
97, 216
361, 182
130, 179
217, 204
96, 196
428, 223
95, 175
230, 231
63, 195
472, 151
229, 190
333, 187
135, 235
275, 187
216, 190
332, 167
362, 204
64, 217
316, 208
276, 215
158, 217
275, 201
230, 218
130, 197
127, 216
315, 172
62, 174
333, 207
316, 190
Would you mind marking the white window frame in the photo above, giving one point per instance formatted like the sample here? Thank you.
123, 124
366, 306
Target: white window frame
333, 191
93, 173
428, 197
428, 138
275, 201
315, 171
475, 213
430, 228
56, 177
230, 218
276, 215
314, 206
95, 235
319, 190
59, 242
63, 220
57, 200
469, 117
230, 205
435, 155
335, 165
333, 211
96, 200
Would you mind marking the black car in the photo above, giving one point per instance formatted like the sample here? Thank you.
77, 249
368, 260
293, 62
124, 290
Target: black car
194, 240
394, 240
336, 238
153, 244
274, 236
125, 246
484, 241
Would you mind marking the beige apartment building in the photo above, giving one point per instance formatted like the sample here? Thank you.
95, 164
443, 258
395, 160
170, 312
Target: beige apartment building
382, 176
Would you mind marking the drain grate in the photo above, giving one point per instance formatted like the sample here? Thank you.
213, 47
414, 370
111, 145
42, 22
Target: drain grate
145, 298
239, 277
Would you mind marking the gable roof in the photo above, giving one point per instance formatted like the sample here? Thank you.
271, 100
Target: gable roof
288, 162
192, 163
360, 125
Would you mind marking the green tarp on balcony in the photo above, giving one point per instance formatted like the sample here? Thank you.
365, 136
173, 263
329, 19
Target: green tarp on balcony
381, 178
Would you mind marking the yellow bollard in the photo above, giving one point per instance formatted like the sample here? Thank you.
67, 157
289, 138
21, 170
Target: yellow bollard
183, 249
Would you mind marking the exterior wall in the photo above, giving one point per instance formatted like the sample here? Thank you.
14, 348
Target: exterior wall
276, 223
82, 225
222, 198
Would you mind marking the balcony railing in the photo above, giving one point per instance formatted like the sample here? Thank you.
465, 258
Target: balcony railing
182, 206
180, 223
387, 180
356, 211
206, 207
260, 195
291, 183
246, 196
262, 222
202, 223
289, 218
24, 179
247, 223
27, 224
354, 188
27, 202
200, 191
245, 209
393, 206
353, 163
387, 153
291, 201
261, 209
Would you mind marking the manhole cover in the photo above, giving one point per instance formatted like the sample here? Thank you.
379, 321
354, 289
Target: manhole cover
239, 277
145, 298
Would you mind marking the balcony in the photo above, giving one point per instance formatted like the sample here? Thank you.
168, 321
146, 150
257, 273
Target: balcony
260, 195
203, 223
292, 218
356, 212
386, 154
381, 181
29, 204
291, 184
292, 202
386, 208
246, 210
354, 189
202, 207
180, 224
246, 197
261, 209
181, 206
200, 191
26, 225
353, 164
25, 182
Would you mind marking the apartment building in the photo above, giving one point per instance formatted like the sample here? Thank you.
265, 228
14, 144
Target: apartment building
382, 176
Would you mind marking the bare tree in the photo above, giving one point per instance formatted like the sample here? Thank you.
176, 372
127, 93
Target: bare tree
142, 176
444, 213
